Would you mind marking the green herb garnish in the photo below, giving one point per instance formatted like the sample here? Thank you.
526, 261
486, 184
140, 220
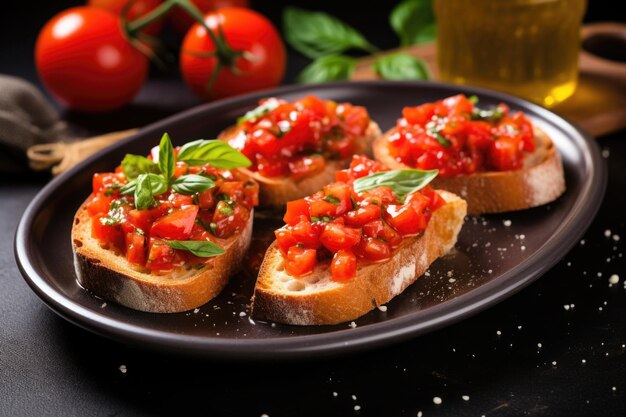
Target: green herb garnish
200, 248
403, 182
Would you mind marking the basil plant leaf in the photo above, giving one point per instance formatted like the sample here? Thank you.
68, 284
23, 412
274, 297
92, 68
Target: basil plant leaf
200, 248
191, 184
317, 34
328, 68
402, 181
143, 192
259, 111
401, 67
157, 185
166, 157
414, 22
214, 152
133, 165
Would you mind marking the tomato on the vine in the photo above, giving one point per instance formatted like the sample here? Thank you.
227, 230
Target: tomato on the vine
181, 21
85, 60
137, 8
251, 54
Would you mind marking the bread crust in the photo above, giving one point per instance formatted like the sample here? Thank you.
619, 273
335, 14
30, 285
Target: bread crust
540, 181
317, 300
110, 276
276, 191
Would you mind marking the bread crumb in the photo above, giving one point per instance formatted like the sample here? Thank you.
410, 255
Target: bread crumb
123, 369
465, 397
382, 308
437, 400
352, 324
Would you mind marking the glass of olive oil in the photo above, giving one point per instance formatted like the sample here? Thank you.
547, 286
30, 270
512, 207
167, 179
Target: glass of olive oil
528, 48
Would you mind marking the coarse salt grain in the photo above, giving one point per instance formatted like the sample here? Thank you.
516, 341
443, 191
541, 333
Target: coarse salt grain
539, 345
352, 324
335, 394
437, 400
419, 414
498, 332
616, 238
265, 415
566, 306
123, 369
584, 361
357, 407
507, 223
242, 314
103, 305
465, 397
614, 279
354, 397
382, 308
195, 310
553, 363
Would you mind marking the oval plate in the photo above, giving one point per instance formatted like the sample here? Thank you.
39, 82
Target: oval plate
495, 256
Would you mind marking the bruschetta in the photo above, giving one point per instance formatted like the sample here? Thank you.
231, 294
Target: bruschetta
355, 245
496, 159
164, 233
296, 147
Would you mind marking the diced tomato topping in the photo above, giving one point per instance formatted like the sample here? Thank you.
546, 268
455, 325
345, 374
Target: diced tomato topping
343, 266
296, 209
206, 199
161, 256
405, 219
177, 225
375, 249
337, 236
300, 261
229, 219
99, 203
180, 200
458, 138
363, 215
107, 234
136, 248
295, 138
306, 233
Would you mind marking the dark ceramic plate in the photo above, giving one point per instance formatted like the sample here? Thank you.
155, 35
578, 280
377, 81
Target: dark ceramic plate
496, 255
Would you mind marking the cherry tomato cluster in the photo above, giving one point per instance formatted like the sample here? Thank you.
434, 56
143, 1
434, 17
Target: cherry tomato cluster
95, 58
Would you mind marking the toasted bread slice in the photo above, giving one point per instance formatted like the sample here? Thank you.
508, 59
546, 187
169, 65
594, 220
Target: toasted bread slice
110, 276
540, 181
316, 299
276, 191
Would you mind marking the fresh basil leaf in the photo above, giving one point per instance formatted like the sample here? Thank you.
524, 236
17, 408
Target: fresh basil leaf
133, 165
402, 181
157, 185
328, 68
143, 192
166, 157
260, 111
191, 184
214, 152
414, 22
201, 248
401, 67
332, 199
317, 34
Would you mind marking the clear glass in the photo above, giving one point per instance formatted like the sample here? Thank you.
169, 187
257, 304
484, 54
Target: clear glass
528, 48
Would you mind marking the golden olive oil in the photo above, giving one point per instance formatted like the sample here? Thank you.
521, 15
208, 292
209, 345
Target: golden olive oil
528, 48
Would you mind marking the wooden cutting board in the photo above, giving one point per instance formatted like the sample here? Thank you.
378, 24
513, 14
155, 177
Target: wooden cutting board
599, 103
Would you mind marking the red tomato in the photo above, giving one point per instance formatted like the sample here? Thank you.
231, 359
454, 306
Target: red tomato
177, 225
504, 154
343, 266
106, 234
300, 261
229, 220
136, 248
181, 21
296, 209
84, 59
137, 9
337, 236
363, 215
244, 30
161, 257
99, 203
405, 219
375, 249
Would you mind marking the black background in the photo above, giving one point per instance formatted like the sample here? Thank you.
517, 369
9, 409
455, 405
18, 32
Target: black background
51, 367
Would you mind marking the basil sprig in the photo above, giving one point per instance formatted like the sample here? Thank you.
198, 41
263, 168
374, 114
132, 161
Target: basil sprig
215, 152
133, 165
401, 181
317, 34
401, 67
200, 248
191, 184
143, 194
328, 68
414, 22
148, 178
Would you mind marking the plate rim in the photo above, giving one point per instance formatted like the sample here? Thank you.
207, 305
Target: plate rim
343, 340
